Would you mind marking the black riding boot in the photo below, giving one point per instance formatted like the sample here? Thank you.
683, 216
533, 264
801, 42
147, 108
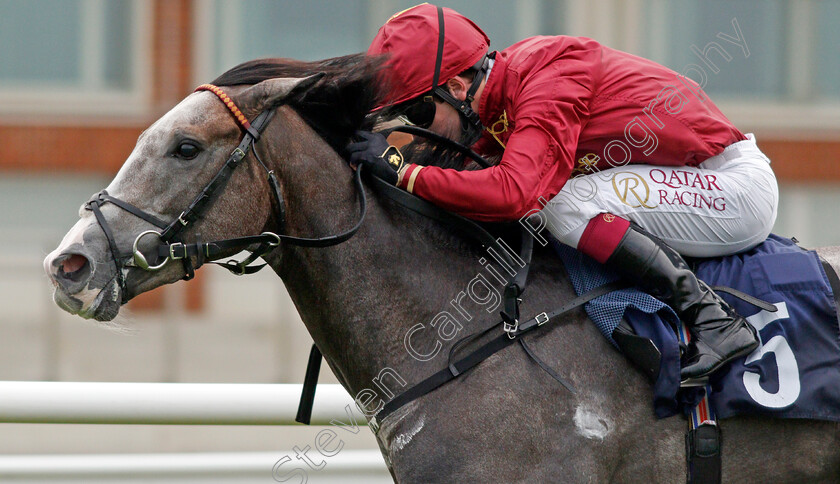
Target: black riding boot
718, 334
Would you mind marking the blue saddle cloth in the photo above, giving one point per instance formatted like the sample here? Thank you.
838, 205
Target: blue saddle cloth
796, 371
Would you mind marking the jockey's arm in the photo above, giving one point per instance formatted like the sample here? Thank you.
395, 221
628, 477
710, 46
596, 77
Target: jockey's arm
499, 193
551, 107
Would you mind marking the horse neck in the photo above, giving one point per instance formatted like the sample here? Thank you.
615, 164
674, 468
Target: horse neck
360, 298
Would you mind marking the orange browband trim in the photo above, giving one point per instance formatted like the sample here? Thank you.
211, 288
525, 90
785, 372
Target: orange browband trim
240, 118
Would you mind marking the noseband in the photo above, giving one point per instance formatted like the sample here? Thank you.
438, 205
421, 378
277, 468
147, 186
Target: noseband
172, 247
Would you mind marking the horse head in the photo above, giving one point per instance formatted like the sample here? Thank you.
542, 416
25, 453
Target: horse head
103, 261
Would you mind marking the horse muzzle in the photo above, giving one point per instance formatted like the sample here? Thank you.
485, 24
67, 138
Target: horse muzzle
70, 271
83, 285
71, 274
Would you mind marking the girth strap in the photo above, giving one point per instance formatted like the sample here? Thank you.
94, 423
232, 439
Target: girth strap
310, 383
703, 454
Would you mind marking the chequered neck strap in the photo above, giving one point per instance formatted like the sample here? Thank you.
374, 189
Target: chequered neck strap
240, 118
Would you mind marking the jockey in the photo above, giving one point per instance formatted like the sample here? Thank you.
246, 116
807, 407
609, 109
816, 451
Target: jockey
622, 158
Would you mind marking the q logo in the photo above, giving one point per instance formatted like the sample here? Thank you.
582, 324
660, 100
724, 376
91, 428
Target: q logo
626, 183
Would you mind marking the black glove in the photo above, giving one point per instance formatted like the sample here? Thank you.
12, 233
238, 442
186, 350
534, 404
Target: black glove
374, 152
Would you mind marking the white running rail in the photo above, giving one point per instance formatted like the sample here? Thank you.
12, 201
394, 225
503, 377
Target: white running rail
169, 403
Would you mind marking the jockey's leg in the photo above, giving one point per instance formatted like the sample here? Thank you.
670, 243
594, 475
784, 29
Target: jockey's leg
719, 335
726, 205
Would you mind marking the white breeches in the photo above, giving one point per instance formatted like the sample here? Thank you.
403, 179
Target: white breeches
725, 205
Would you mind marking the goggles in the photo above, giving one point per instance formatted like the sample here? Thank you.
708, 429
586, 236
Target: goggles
418, 112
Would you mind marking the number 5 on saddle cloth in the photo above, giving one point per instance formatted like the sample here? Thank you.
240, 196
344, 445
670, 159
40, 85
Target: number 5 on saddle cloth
796, 371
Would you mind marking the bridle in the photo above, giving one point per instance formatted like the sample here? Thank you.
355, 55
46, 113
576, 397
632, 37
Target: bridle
172, 246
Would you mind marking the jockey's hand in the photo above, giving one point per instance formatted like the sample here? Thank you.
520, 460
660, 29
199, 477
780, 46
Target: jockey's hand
374, 152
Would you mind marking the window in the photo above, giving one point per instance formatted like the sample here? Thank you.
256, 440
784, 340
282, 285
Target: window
789, 82
687, 27
244, 30
790, 79
827, 37
89, 56
504, 21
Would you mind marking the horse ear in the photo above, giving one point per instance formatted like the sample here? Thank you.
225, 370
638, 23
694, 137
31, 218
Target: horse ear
273, 92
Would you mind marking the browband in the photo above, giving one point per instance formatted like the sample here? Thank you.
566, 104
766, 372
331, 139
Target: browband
240, 118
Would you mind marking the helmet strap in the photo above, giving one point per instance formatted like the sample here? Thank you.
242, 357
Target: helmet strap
439, 59
471, 126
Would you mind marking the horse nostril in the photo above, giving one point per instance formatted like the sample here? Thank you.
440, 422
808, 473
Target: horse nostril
73, 267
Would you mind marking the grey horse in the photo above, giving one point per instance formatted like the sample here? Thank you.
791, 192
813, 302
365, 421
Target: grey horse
387, 305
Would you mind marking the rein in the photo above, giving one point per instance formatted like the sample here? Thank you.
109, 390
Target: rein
440, 139
172, 248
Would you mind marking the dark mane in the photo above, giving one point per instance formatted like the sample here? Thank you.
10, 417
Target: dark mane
336, 105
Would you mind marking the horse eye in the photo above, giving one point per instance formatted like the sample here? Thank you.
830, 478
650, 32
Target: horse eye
187, 151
